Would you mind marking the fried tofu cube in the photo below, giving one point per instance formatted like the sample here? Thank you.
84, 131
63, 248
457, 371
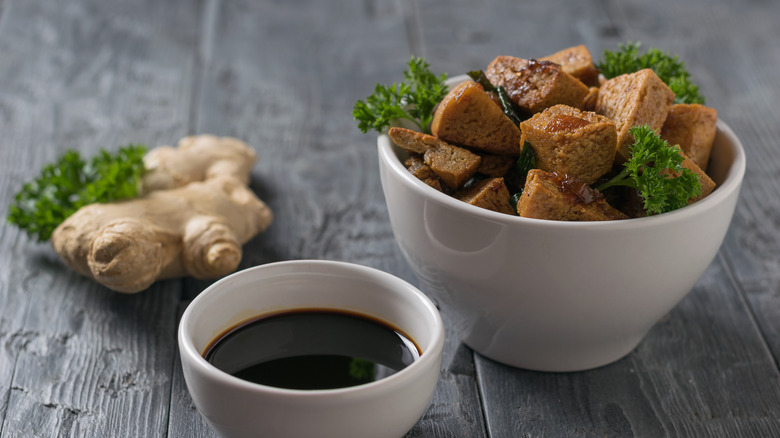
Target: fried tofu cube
452, 164
468, 116
634, 99
577, 62
560, 197
707, 184
495, 165
535, 85
589, 103
417, 167
581, 144
692, 127
490, 193
413, 141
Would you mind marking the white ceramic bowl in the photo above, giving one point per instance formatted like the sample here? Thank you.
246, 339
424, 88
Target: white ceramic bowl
388, 407
549, 295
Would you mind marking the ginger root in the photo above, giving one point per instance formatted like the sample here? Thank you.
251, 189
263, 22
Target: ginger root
197, 158
195, 229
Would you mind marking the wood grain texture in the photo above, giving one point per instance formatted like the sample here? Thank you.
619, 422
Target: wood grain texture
78, 359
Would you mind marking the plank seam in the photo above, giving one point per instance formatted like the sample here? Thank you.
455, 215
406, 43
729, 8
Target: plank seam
202, 60
481, 394
729, 270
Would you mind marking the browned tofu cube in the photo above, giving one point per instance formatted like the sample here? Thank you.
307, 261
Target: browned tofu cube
490, 193
566, 140
634, 99
417, 167
413, 141
468, 116
495, 165
452, 164
589, 103
707, 184
536, 85
577, 62
692, 127
559, 197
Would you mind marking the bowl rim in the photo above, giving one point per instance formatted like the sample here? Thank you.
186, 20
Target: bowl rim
731, 182
187, 346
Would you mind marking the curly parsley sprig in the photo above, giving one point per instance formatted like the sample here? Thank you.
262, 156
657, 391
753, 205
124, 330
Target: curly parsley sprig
655, 170
71, 183
413, 100
670, 69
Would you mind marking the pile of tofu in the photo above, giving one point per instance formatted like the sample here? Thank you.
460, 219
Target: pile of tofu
577, 123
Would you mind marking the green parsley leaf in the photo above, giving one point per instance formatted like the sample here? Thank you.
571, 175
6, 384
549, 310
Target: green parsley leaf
651, 171
669, 68
71, 183
413, 100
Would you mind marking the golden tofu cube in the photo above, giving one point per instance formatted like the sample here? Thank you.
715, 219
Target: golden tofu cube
577, 62
631, 100
468, 116
535, 85
490, 193
566, 140
692, 127
559, 197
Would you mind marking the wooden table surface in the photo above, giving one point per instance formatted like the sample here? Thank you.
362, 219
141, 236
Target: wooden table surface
79, 360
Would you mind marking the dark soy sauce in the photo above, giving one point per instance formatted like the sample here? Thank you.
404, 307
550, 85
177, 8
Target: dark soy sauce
312, 349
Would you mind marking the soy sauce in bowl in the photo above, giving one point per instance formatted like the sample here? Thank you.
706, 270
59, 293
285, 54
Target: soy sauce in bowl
312, 349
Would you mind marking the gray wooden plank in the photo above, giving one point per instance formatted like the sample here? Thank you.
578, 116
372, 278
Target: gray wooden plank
702, 371
284, 79
746, 85
78, 359
184, 420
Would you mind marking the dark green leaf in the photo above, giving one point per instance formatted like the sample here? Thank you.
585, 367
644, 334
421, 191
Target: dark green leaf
479, 77
514, 199
526, 161
71, 183
506, 104
413, 100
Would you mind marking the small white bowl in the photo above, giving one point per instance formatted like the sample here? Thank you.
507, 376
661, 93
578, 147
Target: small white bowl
388, 407
549, 295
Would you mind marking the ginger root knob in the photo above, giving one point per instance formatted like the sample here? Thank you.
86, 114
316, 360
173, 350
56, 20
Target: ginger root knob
196, 228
